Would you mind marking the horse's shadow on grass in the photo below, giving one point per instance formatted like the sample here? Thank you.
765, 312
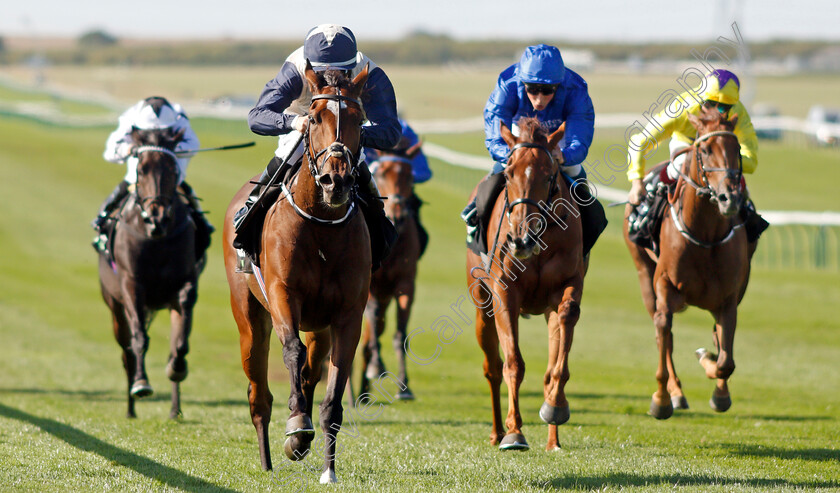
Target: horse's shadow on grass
755, 450
119, 396
671, 480
142, 465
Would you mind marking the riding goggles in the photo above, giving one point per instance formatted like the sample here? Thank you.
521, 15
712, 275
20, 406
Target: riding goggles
722, 108
544, 89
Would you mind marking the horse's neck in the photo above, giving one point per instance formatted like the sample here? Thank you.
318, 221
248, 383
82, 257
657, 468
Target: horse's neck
700, 215
307, 196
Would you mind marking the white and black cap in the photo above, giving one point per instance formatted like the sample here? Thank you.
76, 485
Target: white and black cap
330, 46
155, 114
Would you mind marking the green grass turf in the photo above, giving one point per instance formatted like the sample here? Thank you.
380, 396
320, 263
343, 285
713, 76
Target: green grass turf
62, 404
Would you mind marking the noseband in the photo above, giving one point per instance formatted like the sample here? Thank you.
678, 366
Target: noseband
705, 189
337, 148
523, 200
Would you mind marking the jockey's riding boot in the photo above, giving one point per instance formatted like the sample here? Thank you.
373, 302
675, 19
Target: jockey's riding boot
383, 235
477, 213
243, 233
203, 228
415, 203
593, 220
470, 217
754, 224
107, 207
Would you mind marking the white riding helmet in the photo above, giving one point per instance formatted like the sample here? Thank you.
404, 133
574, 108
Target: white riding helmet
155, 114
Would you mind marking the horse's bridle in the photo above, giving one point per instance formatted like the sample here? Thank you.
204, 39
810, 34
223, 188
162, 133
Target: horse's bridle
706, 189
166, 201
337, 148
524, 200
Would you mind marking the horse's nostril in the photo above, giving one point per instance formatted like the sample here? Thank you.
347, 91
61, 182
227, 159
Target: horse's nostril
325, 180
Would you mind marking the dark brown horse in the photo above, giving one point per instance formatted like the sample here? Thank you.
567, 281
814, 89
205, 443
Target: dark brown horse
315, 261
535, 267
395, 278
704, 259
154, 266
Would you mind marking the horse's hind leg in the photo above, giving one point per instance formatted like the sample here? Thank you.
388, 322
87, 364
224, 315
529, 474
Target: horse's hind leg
181, 318
254, 339
488, 339
372, 365
405, 299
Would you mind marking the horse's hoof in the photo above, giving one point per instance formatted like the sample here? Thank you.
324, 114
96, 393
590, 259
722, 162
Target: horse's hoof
178, 375
141, 389
660, 412
405, 395
679, 402
720, 404
514, 441
300, 424
702, 353
296, 447
328, 477
554, 415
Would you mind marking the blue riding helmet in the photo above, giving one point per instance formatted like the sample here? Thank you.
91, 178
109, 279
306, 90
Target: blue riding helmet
330, 46
541, 64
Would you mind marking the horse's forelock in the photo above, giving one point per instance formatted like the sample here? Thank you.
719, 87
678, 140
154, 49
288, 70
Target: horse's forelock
337, 79
530, 130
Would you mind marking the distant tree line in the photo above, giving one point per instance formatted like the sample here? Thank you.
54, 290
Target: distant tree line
418, 48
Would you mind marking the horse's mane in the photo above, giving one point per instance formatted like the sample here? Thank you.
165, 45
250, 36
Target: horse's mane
530, 130
166, 137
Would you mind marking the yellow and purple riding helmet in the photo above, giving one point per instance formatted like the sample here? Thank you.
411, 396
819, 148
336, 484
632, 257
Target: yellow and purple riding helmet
722, 86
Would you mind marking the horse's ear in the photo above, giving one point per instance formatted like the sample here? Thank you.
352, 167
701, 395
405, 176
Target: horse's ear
414, 150
695, 121
508, 137
177, 136
360, 80
734, 119
312, 78
557, 136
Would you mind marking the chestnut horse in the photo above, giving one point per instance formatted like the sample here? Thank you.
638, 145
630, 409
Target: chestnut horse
315, 267
395, 278
536, 266
704, 259
154, 266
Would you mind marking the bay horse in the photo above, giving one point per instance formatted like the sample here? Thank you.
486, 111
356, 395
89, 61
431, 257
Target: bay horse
154, 266
396, 276
314, 268
535, 267
704, 259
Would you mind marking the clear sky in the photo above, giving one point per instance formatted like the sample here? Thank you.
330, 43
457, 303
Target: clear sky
585, 20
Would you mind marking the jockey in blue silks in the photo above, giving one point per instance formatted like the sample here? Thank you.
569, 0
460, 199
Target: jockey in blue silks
283, 108
541, 86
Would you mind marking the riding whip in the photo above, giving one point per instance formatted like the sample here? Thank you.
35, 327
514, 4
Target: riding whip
222, 148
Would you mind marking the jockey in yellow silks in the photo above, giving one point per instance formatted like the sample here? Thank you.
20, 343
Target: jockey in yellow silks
720, 89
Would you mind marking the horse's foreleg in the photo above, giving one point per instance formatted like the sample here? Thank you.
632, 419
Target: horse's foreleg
254, 343
372, 365
667, 296
555, 408
344, 337
136, 318
181, 318
405, 299
485, 332
722, 365
507, 328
